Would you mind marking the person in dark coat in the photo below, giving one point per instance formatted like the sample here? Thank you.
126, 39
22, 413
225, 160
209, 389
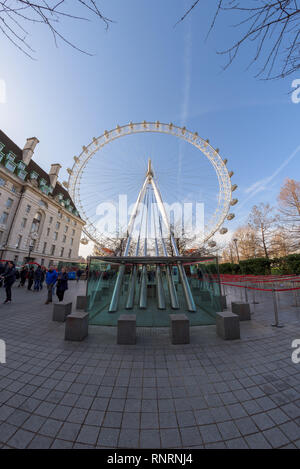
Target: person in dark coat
43, 276
9, 278
30, 277
23, 276
2, 270
37, 278
78, 274
62, 284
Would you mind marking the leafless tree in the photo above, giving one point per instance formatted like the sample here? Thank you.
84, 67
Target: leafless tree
273, 26
263, 221
289, 207
18, 16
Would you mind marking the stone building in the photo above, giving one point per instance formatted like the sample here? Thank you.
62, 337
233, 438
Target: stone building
38, 220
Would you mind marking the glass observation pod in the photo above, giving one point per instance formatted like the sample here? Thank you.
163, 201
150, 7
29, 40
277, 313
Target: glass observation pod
152, 288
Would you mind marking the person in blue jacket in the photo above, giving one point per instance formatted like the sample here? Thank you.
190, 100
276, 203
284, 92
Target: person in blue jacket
51, 278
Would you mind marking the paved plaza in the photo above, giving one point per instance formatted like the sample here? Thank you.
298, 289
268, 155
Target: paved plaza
97, 394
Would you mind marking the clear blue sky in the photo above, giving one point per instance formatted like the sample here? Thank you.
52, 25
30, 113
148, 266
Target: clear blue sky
145, 68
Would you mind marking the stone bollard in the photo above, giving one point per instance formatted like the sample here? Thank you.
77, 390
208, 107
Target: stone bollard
242, 310
61, 311
227, 325
126, 334
82, 302
179, 329
77, 326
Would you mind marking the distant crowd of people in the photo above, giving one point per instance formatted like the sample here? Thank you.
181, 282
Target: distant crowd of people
35, 277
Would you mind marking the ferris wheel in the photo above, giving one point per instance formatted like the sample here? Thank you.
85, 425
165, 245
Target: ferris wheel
105, 167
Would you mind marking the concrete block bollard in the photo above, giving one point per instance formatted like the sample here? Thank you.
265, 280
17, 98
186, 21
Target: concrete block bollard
61, 311
126, 334
242, 310
179, 329
227, 325
77, 326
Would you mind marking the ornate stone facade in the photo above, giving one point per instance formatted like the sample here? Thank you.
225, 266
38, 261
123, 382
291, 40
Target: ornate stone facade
38, 219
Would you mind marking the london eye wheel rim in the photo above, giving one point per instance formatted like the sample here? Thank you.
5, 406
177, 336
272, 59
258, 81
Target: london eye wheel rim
223, 175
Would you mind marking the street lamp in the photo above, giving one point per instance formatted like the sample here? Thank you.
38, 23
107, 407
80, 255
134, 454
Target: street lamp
236, 247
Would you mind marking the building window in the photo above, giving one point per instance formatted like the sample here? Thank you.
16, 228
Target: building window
9, 203
42, 261
36, 223
43, 203
66, 229
24, 221
28, 208
16, 258
50, 220
1, 237
68, 219
64, 238
14, 189
73, 232
72, 241
3, 218
61, 252
74, 223
55, 235
59, 215
48, 231
57, 226
44, 248
52, 250
70, 253
2, 182
19, 242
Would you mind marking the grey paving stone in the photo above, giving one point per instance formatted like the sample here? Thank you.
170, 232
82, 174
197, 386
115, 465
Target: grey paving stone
210, 433
170, 438
228, 430
20, 439
61, 412
132, 405
76, 415
276, 437
18, 417
69, 431
51, 427
291, 430
278, 416
149, 405
6, 431
237, 443
263, 421
131, 420
61, 444
40, 442
150, 439
129, 438
204, 417
236, 411
246, 426
190, 437
167, 420
88, 435
34, 423
113, 419
257, 441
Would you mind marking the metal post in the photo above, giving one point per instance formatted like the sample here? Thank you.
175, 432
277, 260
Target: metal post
276, 324
246, 293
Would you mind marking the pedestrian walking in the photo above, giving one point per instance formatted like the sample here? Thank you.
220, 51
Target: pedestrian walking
9, 277
23, 276
43, 275
37, 278
30, 277
78, 274
51, 278
62, 284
